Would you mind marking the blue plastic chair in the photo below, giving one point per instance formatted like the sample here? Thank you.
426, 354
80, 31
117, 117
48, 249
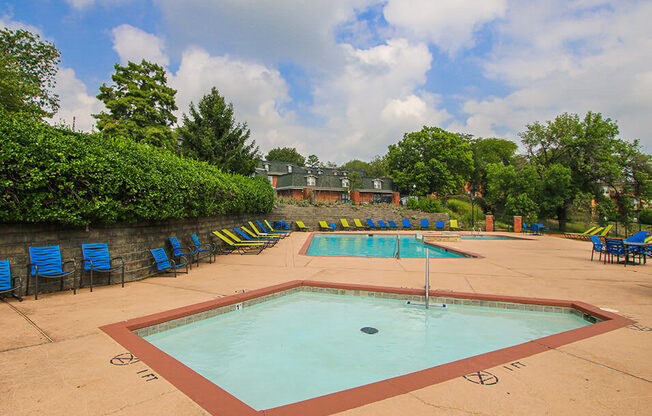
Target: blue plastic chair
406, 223
615, 247
178, 251
199, 249
46, 262
97, 259
598, 247
382, 224
392, 224
370, 223
439, 225
424, 223
165, 264
8, 282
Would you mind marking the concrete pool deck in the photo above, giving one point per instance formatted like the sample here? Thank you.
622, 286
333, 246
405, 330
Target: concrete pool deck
54, 359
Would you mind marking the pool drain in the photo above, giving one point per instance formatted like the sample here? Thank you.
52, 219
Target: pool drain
368, 330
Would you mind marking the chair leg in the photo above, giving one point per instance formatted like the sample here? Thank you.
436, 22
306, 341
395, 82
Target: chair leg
36, 287
592, 251
91, 278
123, 276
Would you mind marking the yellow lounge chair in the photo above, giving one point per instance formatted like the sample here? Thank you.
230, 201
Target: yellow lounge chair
324, 226
242, 248
345, 224
254, 235
301, 225
276, 231
262, 234
358, 224
268, 242
606, 230
453, 224
579, 235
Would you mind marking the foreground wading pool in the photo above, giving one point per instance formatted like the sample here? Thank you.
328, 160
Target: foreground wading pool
317, 348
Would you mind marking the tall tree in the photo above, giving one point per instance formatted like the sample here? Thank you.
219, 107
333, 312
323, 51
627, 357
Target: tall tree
140, 105
210, 133
28, 67
433, 159
313, 161
486, 152
286, 154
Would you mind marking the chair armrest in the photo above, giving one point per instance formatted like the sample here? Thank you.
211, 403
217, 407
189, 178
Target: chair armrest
74, 264
20, 281
29, 269
122, 260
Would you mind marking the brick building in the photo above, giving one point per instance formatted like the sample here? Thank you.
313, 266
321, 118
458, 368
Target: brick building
326, 184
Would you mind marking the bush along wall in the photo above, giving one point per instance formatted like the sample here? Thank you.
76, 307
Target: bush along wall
52, 175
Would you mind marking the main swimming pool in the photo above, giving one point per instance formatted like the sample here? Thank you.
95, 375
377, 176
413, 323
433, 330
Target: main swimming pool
305, 344
375, 245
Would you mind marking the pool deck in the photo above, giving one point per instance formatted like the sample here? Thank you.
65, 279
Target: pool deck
55, 360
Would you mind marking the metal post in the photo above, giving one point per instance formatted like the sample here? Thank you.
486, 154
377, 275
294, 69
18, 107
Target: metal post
398, 247
427, 278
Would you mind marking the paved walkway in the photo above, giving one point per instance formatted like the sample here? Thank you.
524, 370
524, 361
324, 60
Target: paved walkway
54, 360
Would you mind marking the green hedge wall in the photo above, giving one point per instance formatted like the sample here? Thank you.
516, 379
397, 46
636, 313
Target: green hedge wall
52, 175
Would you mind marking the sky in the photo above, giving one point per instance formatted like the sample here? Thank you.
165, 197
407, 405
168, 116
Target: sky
344, 79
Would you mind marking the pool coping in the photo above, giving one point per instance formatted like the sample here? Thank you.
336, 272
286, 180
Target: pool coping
217, 401
464, 254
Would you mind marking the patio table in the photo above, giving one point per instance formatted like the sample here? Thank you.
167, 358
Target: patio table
631, 244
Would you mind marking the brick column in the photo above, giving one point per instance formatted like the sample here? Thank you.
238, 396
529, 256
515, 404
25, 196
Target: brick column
518, 224
396, 198
489, 221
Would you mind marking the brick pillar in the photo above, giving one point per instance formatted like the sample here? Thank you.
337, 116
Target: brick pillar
518, 224
355, 196
489, 221
396, 198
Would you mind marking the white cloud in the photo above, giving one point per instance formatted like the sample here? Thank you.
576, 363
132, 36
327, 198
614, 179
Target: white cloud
75, 105
6, 21
450, 24
133, 44
80, 4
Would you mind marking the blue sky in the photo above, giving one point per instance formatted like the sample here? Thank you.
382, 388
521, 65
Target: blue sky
343, 79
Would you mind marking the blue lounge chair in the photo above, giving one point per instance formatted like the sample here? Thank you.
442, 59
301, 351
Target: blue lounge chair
406, 224
382, 224
165, 264
178, 251
371, 223
210, 250
97, 259
46, 262
8, 283
392, 224
269, 230
439, 225
424, 223
270, 241
639, 252
598, 247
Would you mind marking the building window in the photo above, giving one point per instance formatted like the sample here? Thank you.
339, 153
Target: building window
270, 178
378, 184
334, 173
345, 183
345, 196
310, 180
289, 168
319, 172
266, 165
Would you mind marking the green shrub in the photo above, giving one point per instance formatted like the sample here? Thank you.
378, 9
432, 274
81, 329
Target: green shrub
53, 175
645, 216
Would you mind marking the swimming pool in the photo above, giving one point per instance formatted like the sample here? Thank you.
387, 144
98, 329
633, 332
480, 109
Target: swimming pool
214, 399
375, 245
304, 345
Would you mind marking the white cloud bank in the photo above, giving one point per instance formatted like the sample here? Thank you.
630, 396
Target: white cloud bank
133, 44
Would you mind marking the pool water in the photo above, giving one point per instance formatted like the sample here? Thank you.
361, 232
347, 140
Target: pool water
305, 345
364, 245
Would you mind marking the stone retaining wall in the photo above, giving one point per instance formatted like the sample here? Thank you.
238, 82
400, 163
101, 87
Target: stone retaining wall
133, 241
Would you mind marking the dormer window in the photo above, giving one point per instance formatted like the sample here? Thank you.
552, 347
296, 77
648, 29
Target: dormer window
319, 172
334, 173
345, 183
289, 168
266, 166
378, 184
310, 180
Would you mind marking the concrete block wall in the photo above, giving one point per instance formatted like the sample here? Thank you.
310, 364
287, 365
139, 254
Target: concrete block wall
133, 241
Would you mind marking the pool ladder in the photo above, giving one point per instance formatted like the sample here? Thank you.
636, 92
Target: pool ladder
398, 247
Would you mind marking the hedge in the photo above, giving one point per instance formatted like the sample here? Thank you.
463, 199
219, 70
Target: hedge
53, 175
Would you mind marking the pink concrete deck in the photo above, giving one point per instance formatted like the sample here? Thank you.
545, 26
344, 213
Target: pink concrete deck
54, 359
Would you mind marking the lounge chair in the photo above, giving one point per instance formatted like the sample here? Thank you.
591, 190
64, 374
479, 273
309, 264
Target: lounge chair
615, 247
262, 231
8, 283
256, 234
439, 225
324, 226
302, 226
370, 223
359, 224
598, 247
97, 259
178, 251
46, 262
574, 235
345, 224
605, 231
424, 224
165, 264
382, 224
453, 225
271, 231
210, 250
245, 238
406, 224
392, 224
242, 248
639, 251
239, 241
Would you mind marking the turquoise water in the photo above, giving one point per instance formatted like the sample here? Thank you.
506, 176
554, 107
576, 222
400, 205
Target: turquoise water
363, 245
305, 345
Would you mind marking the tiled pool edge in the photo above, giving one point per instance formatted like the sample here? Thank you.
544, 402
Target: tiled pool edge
217, 401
